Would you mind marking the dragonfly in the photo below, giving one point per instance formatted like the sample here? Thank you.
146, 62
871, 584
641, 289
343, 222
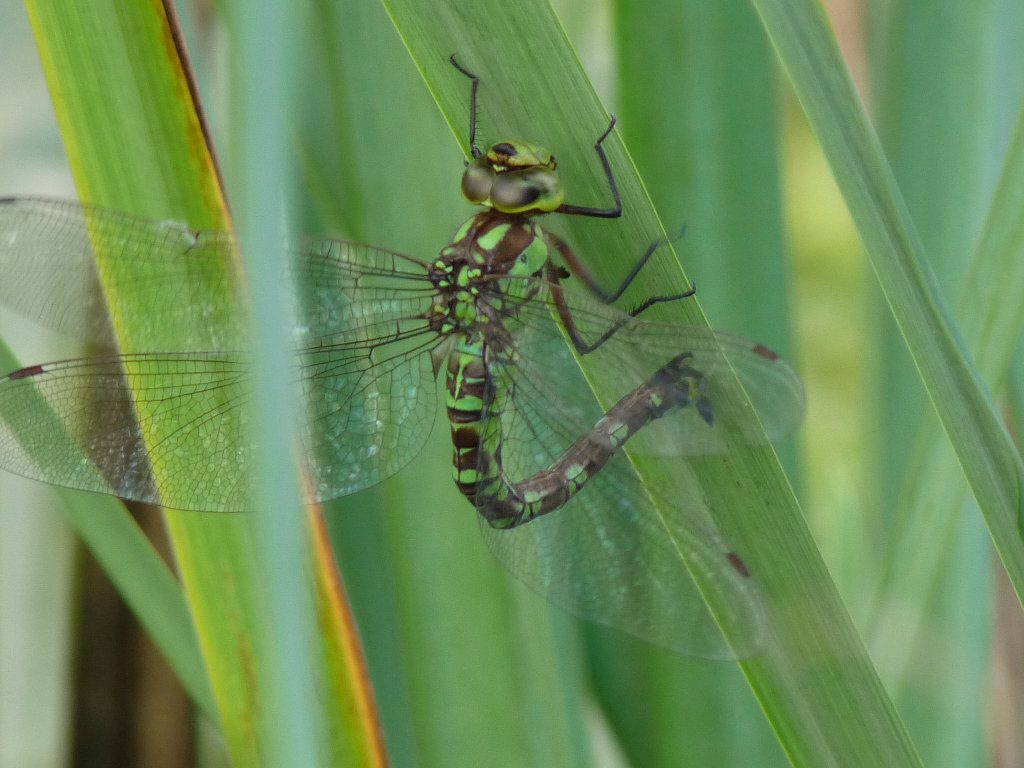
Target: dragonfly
500, 318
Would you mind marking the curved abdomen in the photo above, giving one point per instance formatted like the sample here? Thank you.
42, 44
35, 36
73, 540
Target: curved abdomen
477, 438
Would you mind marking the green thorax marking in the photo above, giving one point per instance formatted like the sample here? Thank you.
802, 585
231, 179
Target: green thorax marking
489, 248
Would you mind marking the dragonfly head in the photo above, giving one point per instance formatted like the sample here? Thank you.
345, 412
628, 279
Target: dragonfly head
514, 177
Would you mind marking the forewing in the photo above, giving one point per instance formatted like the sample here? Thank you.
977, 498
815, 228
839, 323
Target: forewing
50, 273
361, 343
364, 364
49, 266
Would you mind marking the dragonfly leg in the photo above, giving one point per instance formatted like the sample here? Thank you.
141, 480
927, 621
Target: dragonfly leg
580, 271
554, 275
472, 105
601, 213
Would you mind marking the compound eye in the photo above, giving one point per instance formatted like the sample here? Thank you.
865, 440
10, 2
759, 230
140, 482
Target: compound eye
531, 189
477, 181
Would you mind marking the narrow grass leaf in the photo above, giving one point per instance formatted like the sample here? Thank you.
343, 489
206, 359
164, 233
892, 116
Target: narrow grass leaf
935, 490
135, 144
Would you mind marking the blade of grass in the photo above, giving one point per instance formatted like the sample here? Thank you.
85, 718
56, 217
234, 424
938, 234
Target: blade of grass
933, 94
295, 729
96, 133
934, 491
135, 143
813, 678
808, 52
698, 115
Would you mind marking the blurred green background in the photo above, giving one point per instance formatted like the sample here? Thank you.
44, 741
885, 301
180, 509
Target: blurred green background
723, 148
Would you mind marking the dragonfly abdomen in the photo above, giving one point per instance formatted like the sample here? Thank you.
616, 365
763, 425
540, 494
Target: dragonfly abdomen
466, 380
479, 470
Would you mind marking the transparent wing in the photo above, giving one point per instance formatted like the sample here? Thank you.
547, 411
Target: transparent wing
610, 554
88, 424
367, 384
773, 407
50, 274
48, 261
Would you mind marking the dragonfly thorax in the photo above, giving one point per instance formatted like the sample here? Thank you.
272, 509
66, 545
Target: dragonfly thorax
472, 274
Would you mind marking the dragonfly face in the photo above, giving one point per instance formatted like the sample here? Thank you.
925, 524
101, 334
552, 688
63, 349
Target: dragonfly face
534, 450
514, 177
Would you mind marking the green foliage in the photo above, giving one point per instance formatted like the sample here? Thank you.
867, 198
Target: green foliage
468, 668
